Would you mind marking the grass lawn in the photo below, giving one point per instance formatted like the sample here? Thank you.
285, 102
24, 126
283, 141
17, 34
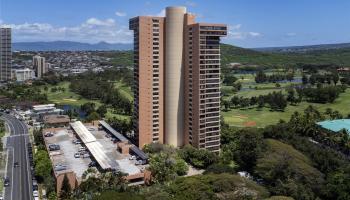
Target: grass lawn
70, 98
250, 88
124, 89
67, 97
264, 117
111, 114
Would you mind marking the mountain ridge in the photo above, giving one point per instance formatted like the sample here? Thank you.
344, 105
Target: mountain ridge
303, 48
105, 46
69, 46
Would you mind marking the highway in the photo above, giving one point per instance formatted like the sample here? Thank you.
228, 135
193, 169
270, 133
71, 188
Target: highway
16, 145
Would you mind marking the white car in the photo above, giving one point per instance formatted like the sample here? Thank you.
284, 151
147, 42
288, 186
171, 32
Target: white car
77, 155
35, 193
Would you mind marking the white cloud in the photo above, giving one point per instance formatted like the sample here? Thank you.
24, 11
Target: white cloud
120, 14
92, 30
161, 13
291, 34
254, 34
235, 33
191, 4
97, 22
235, 27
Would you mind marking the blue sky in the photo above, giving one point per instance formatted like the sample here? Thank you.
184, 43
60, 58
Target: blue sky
252, 23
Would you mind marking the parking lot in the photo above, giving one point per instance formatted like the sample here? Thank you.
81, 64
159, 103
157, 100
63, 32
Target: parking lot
75, 148
64, 158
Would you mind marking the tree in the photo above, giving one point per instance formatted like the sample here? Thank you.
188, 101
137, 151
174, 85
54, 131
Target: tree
335, 78
338, 184
305, 79
261, 102
102, 110
43, 166
249, 146
200, 158
93, 116
260, 77
277, 101
52, 196
237, 86
312, 80
88, 107
235, 101
290, 76
226, 105
287, 171
66, 189
165, 167
291, 95
229, 79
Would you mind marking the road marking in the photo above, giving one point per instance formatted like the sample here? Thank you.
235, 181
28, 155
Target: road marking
28, 170
13, 130
6, 172
13, 160
26, 157
13, 136
14, 123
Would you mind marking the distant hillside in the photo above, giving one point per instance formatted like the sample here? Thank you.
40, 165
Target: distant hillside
68, 46
303, 49
336, 56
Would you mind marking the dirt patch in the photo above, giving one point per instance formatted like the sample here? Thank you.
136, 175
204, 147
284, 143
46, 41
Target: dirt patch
249, 123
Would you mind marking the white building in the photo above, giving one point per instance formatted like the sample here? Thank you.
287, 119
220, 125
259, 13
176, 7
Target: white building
22, 75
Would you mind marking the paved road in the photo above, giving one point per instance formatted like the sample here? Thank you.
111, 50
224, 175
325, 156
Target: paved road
20, 177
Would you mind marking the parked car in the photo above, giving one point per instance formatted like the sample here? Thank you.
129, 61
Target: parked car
6, 182
35, 193
132, 157
82, 149
35, 185
60, 167
138, 162
77, 155
54, 147
48, 134
92, 164
77, 141
86, 155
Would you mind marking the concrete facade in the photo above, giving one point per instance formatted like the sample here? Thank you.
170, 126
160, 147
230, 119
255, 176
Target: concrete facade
187, 55
22, 75
5, 54
148, 118
39, 66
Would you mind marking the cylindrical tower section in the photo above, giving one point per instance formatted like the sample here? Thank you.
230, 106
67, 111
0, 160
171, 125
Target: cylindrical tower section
174, 72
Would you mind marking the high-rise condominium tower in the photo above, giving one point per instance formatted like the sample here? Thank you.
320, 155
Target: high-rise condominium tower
177, 80
40, 66
5, 54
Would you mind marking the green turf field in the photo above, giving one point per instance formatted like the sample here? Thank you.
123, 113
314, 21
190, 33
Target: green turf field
66, 97
264, 117
124, 89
